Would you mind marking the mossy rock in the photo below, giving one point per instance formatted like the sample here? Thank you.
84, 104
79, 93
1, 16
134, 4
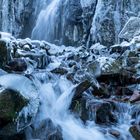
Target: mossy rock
11, 103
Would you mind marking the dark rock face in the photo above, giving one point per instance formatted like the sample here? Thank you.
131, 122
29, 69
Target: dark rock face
16, 13
4, 53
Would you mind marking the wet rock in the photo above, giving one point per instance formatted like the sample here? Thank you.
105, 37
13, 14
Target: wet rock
46, 131
99, 49
118, 49
23, 42
17, 64
70, 76
21, 87
4, 53
56, 135
104, 114
115, 133
102, 91
72, 63
135, 131
10, 132
123, 91
39, 56
110, 66
132, 61
79, 106
135, 97
83, 86
11, 103
60, 70
26, 47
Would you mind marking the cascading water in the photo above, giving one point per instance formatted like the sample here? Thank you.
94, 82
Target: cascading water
55, 98
55, 94
56, 119
46, 27
54, 106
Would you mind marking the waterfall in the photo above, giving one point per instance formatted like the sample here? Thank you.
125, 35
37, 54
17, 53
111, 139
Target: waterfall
46, 27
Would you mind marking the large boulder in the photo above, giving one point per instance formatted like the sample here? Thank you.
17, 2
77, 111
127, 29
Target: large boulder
11, 103
18, 100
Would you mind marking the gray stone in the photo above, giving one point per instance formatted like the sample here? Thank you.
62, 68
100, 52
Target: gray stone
131, 29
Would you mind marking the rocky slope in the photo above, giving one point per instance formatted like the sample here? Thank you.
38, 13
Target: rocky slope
83, 21
106, 79
92, 84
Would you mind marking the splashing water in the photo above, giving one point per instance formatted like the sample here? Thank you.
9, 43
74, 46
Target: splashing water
54, 105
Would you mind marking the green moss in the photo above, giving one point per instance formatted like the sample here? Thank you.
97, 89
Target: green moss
11, 102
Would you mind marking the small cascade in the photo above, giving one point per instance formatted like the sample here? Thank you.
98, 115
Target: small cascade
56, 97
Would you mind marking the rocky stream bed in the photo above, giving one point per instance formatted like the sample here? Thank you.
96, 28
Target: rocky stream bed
46, 89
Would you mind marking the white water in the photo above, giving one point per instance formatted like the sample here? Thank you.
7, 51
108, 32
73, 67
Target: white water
55, 98
54, 105
47, 22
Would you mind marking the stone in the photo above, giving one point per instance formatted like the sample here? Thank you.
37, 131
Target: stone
4, 53
26, 47
83, 86
110, 66
70, 76
79, 107
118, 49
135, 131
10, 132
60, 70
115, 133
123, 91
104, 114
17, 64
102, 91
11, 103
135, 97
39, 56
131, 29
21, 86
46, 130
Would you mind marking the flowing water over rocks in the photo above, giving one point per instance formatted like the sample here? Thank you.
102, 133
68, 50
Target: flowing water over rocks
86, 89
70, 93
